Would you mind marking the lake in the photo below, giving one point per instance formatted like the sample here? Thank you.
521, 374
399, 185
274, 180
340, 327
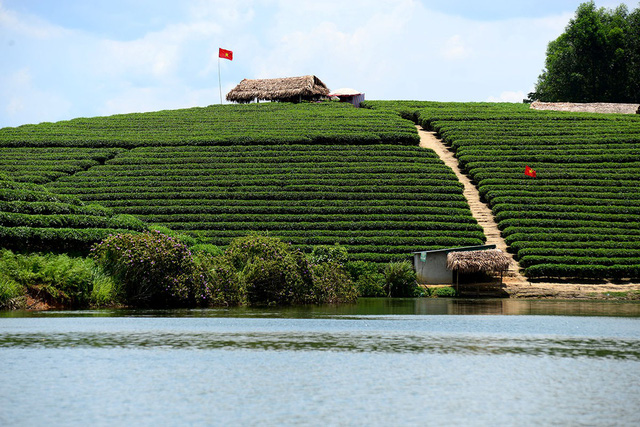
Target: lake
378, 362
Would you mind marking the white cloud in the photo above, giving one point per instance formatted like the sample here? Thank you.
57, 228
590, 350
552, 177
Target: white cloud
157, 54
30, 26
23, 102
454, 48
508, 96
390, 49
153, 99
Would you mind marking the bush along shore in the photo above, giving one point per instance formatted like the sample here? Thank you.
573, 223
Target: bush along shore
156, 270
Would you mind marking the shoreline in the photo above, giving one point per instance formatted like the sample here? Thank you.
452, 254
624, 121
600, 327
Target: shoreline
582, 291
514, 288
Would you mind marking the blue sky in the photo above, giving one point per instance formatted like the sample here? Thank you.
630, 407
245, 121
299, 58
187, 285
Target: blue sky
62, 59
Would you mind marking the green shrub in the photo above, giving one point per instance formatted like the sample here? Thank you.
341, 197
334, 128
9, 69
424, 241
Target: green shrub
273, 272
446, 291
153, 269
56, 279
367, 277
105, 291
10, 292
332, 284
220, 282
400, 279
329, 253
208, 249
371, 285
359, 268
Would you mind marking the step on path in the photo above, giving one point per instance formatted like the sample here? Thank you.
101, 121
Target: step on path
479, 210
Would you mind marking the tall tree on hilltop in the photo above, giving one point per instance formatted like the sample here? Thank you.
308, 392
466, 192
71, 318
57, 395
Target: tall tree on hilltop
596, 59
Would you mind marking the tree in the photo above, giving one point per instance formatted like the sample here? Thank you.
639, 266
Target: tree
596, 59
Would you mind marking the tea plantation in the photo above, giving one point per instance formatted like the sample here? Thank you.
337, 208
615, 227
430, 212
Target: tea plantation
32, 218
580, 216
308, 173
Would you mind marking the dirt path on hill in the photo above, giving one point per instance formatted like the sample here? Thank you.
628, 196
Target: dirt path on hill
516, 284
480, 211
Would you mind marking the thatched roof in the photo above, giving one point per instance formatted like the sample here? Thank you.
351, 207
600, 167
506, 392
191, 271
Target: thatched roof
282, 89
592, 107
477, 261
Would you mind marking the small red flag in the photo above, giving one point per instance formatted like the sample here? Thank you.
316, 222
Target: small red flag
226, 54
529, 172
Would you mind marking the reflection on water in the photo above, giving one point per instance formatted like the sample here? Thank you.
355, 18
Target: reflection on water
404, 326
355, 341
383, 306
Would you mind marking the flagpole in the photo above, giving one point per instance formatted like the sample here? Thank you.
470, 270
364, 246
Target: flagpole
219, 81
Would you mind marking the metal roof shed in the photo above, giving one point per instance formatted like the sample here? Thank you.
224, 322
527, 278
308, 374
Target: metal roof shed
346, 94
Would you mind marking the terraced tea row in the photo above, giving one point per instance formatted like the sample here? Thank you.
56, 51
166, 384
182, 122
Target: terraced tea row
41, 165
262, 124
32, 218
579, 216
380, 201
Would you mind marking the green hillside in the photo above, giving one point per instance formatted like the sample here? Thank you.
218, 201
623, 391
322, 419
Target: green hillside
33, 218
309, 173
580, 216
250, 124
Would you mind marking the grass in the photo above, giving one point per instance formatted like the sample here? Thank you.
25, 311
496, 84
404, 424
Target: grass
58, 280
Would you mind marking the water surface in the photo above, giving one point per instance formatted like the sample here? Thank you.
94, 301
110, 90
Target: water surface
379, 362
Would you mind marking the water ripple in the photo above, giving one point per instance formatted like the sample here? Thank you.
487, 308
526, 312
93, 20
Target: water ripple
564, 347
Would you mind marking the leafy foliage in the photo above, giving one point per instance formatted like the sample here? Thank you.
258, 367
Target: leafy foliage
444, 292
332, 284
596, 59
59, 280
273, 272
367, 277
329, 253
400, 279
154, 270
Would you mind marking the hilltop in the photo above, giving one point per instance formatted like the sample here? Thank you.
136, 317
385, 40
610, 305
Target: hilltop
329, 173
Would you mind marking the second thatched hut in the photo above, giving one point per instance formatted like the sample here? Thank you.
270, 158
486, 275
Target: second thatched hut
286, 89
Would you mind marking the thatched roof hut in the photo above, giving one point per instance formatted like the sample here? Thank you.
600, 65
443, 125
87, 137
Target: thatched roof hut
287, 89
492, 260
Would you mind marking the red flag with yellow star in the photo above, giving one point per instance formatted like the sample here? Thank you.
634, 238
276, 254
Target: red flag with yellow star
529, 172
225, 54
